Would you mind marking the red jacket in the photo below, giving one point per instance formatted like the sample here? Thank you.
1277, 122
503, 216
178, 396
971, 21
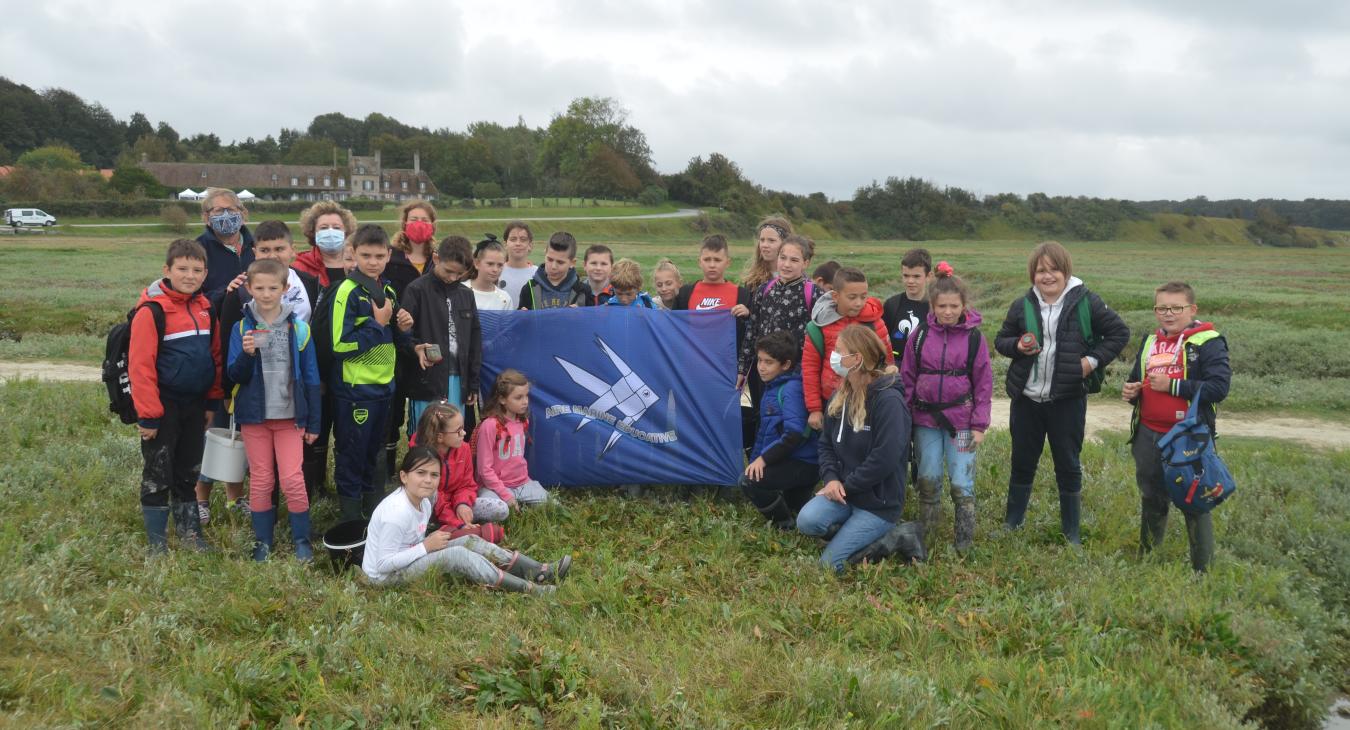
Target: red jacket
311, 262
185, 365
819, 380
457, 485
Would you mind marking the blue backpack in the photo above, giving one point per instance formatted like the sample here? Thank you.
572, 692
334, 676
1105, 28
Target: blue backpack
1197, 479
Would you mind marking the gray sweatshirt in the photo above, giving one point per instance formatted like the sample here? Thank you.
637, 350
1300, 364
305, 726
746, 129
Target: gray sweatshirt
274, 355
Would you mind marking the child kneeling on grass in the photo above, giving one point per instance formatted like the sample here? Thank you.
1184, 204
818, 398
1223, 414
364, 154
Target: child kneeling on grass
460, 502
277, 403
1183, 357
864, 448
783, 468
499, 445
398, 547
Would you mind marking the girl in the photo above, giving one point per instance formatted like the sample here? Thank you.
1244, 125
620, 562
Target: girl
782, 305
398, 547
271, 359
1047, 379
499, 445
769, 237
518, 270
488, 259
949, 388
863, 451
460, 502
667, 282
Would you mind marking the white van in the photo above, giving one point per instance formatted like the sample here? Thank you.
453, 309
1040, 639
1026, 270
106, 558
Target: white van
28, 217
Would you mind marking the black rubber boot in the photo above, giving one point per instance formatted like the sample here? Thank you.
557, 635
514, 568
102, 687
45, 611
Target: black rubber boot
904, 541
1070, 515
187, 522
523, 566
156, 529
930, 509
516, 584
369, 501
1200, 533
390, 461
778, 513
315, 470
349, 509
1019, 496
1152, 526
964, 527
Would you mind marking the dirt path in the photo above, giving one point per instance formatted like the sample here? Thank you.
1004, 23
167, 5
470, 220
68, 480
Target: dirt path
1102, 415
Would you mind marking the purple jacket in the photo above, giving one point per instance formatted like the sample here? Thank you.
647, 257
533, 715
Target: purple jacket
947, 348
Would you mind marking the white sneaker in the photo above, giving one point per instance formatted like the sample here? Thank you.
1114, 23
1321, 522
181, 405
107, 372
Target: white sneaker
203, 511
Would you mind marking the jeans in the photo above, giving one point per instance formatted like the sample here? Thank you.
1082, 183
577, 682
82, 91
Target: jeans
417, 407
1032, 424
935, 448
858, 528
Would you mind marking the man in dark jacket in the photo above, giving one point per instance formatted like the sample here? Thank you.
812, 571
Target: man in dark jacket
446, 316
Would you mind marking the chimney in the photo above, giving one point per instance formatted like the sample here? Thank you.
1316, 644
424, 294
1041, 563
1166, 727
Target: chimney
335, 157
377, 160
417, 163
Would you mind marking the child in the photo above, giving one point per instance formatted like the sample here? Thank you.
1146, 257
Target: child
557, 284
783, 304
518, 271
905, 311
949, 388
599, 261
863, 450
446, 317
769, 237
1182, 358
460, 501
316, 454
488, 259
367, 324
783, 464
848, 304
667, 282
277, 404
823, 276
399, 549
1047, 379
499, 445
175, 386
626, 282
713, 291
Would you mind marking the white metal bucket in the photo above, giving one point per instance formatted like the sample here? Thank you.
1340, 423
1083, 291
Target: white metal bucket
224, 460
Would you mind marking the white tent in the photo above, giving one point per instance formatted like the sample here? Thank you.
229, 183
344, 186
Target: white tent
246, 195
189, 194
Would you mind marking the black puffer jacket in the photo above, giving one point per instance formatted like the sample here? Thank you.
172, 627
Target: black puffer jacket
425, 301
1066, 379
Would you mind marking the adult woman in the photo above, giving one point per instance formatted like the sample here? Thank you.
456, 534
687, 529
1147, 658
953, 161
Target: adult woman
863, 450
409, 256
1047, 380
326, 226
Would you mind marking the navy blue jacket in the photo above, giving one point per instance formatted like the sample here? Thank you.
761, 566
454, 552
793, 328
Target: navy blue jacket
223, 264
245, 371
782, 420
872, 463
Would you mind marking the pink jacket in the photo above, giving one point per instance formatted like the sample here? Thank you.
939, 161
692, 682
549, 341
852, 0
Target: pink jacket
500, 453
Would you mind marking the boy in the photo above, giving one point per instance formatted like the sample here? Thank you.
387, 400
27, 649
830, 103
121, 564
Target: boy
847, 304
714, 291
362, 379
823, 276
175, 386
557, 284
626, 281
783, 468
1184, 357
518, 270
447, 318
599, 261
905, 311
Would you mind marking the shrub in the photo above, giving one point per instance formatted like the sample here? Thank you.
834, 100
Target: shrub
652, 196
175, 218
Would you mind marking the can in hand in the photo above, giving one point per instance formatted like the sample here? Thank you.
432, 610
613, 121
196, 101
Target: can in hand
1028, 340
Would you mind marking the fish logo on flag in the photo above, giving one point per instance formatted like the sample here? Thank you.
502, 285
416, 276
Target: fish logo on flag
629, 394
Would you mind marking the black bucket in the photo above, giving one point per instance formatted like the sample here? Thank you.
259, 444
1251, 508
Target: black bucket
346, 544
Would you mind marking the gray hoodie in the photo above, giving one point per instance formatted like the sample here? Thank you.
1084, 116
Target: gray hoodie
274, 356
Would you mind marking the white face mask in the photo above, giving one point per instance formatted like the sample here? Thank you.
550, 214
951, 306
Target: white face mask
837, 364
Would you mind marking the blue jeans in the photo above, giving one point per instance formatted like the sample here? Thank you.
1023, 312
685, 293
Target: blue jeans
417, 407
935, 448
858, 528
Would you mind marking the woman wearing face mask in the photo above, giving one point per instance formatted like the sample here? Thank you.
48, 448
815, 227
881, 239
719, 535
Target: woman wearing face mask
409, 257
326, 226
228, 243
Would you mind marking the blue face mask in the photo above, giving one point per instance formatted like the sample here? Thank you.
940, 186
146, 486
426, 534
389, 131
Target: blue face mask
329, 239
226, 224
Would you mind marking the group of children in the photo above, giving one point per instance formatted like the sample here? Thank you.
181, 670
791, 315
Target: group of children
839, 387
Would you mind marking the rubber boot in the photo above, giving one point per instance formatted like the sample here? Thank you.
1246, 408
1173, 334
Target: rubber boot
315, 470
904, 541
930, 509
964, 527
304, 551
390, 461
1019, 496
1200, 533
264, 530
369, 501
349, 508
1070, 514
779, 514
523, 566
1152, 526
189, 527
516, 584
156, 529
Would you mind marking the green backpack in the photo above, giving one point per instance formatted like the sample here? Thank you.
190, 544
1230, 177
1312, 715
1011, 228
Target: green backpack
1094, 379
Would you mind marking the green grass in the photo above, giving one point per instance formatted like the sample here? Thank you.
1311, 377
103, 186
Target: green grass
678, 614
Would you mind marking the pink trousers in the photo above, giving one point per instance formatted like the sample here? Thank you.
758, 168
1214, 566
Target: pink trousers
275, 443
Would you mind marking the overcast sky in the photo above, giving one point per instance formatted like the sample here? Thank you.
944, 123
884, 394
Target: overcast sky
1143, 99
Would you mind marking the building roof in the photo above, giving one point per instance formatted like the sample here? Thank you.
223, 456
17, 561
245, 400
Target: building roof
222, 175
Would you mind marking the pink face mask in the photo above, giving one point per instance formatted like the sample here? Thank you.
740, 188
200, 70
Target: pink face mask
419, 232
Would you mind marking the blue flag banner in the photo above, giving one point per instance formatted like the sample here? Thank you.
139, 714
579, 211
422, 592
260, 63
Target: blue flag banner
623, 395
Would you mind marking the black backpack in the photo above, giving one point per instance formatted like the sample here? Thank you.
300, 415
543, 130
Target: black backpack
116, 374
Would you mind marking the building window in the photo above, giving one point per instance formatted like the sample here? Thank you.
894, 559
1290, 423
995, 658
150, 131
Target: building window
328, 182
386, 184
274, 178
421, 187
405, 185
295, 182
310, 182
361, 169
203, 174
367, 185
342, 183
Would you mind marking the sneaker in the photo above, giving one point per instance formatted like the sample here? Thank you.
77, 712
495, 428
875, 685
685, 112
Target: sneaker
203, 511
241, 506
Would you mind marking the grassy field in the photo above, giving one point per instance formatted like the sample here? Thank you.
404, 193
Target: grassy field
679, 613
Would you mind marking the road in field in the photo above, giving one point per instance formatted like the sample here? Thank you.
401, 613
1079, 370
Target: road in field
1102, 416
681, 213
